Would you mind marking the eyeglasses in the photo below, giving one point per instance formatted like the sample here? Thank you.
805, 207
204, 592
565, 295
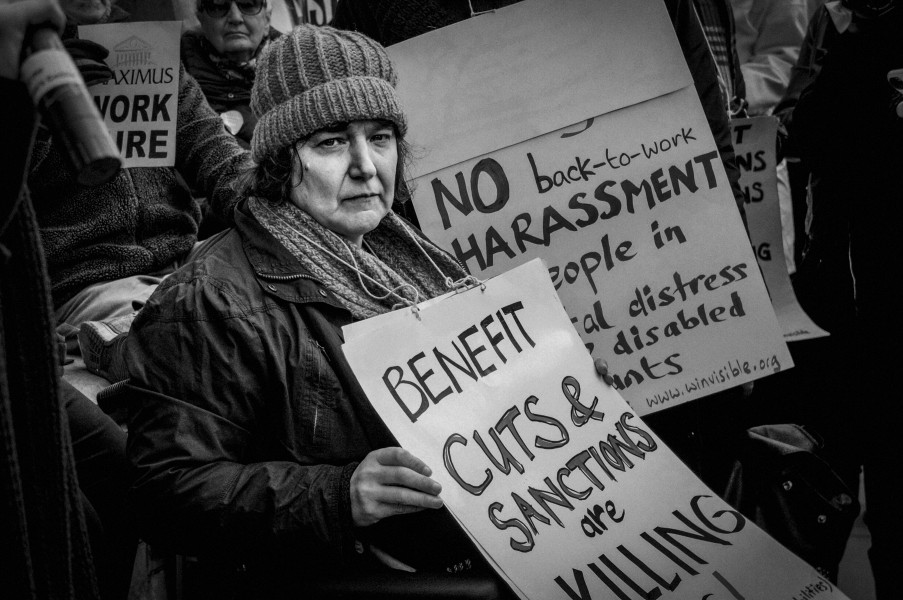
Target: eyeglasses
221, 9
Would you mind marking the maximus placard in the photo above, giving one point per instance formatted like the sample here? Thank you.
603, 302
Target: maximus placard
140, 103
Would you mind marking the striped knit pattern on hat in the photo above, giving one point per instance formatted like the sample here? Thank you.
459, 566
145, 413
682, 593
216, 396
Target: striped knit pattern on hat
316, 77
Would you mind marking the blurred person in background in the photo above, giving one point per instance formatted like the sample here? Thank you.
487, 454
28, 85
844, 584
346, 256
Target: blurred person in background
840, 113
768, 37
108, 247
221, 55
64, 529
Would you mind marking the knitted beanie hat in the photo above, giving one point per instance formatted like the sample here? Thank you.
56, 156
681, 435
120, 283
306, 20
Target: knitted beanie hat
316, 77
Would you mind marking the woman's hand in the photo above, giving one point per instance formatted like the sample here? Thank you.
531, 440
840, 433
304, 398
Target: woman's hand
602, 371
391, 481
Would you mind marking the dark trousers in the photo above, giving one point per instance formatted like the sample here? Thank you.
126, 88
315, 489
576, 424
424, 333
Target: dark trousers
874, 254
847, 283
98, 444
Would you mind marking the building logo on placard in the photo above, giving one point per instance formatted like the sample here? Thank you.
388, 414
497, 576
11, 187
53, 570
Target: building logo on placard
132, 52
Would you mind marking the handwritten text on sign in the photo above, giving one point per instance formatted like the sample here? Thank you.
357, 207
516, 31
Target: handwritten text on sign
140, 104
754, 145
633, 214
568, 493
616, 184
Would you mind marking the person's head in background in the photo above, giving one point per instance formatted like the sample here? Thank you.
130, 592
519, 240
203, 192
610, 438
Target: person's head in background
235, 28
86, 12
330, 128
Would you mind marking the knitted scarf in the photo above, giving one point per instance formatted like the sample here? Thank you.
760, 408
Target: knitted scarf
395, 255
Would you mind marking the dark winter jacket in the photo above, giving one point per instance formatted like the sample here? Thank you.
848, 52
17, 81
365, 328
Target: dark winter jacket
844, 118
144, 219
839, 112
246, 420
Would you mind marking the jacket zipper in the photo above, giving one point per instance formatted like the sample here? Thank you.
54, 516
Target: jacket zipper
287, 277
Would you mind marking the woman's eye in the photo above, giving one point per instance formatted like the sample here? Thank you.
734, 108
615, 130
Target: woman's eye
330, 142
382, 137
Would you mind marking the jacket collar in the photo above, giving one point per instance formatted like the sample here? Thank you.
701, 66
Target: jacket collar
277, 271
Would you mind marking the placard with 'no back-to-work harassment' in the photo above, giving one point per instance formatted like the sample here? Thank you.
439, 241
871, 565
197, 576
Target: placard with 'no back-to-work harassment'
606, 169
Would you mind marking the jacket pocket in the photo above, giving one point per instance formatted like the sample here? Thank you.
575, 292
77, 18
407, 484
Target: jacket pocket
319, 393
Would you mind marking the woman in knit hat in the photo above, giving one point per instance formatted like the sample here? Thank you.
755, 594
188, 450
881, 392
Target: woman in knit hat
252, 442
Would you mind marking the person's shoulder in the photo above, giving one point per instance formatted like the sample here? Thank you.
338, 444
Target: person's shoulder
218, 283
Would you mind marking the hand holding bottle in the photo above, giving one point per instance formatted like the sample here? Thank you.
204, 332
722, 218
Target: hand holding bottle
15, 18
58, 90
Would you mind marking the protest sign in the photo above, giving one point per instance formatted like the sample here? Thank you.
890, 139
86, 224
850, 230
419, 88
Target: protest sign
292, 12
754, 145
550, 472
140, 103
607, 169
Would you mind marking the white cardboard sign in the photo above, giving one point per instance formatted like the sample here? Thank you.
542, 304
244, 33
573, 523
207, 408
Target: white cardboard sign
559, 483
754, 145
619, 188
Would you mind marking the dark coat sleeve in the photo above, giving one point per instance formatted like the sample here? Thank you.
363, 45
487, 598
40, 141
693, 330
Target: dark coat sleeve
210, 476
207, 155
705, 78
802, 75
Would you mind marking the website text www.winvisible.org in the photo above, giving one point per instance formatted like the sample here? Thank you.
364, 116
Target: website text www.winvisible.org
731, 370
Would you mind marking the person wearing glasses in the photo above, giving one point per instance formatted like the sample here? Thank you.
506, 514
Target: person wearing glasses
221, 55
107, 247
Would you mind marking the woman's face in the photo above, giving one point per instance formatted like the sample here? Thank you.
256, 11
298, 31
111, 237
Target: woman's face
344, 177
234, 33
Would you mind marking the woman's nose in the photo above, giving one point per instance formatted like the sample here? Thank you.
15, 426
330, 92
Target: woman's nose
362, 165
234, 15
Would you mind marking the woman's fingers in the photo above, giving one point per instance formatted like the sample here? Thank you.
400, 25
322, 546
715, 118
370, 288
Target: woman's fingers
405, 477
14, 20
391, 481
401, 496
602, 370
401, 458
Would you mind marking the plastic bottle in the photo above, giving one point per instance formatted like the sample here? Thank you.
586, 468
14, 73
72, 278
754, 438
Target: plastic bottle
59, 92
